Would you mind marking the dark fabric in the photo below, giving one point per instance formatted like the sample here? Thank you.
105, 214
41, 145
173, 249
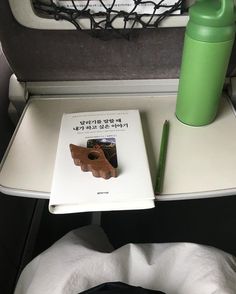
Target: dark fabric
210, 221
6, 127
119, 288
55, 226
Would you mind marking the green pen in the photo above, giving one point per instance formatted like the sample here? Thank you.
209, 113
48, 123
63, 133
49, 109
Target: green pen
162, 158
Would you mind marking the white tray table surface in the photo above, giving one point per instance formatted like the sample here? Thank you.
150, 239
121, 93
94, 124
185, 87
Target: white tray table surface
201, 161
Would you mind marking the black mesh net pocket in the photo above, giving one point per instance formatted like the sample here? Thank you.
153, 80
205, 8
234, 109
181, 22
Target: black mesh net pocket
122, 16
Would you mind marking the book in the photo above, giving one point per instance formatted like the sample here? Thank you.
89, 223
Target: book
120, 137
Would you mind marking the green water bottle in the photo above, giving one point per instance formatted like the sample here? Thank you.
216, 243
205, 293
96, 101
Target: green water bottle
209, 38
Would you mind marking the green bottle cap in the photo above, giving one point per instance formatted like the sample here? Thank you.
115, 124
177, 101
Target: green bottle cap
212, 20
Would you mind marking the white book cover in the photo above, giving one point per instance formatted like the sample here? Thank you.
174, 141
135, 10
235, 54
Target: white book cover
119, 134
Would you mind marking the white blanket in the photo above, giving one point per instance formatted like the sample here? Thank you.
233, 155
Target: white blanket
84, 258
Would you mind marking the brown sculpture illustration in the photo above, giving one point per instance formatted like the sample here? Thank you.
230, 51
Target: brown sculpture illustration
94, 160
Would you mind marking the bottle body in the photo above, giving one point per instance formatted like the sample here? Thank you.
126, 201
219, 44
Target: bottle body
203, 70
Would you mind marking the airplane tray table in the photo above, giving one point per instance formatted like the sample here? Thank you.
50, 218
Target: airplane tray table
201, 161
